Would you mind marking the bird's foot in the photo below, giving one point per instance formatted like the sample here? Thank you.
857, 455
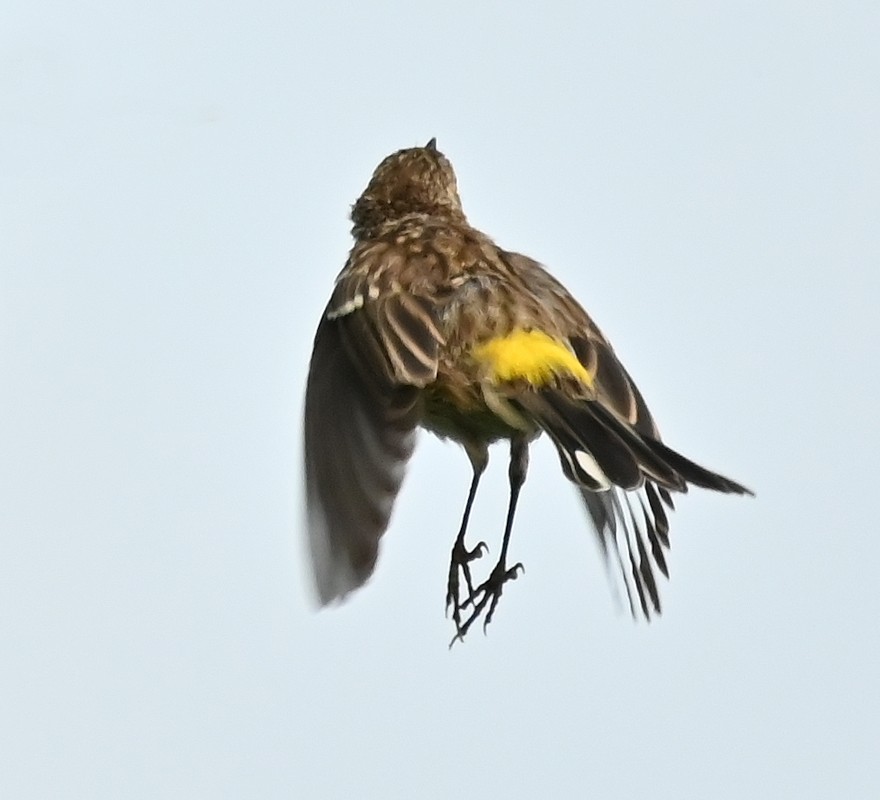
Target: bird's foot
487, 594
459, 562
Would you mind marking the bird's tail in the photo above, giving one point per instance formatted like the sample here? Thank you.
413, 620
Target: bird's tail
609, 459
598, 450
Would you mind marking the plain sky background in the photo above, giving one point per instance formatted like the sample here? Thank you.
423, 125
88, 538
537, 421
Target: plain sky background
175, 180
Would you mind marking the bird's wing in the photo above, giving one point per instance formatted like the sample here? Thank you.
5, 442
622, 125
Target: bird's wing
614, 387
373, 349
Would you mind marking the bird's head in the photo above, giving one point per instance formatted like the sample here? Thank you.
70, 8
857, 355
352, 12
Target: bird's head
418, 180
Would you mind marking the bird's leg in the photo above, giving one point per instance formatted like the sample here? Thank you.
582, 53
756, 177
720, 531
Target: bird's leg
461, 556
488, 593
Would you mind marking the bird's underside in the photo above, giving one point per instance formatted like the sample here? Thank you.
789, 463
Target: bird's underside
432, 325
626, 479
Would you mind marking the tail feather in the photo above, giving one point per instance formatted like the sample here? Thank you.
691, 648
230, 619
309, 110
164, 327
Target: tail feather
597, 449
657, 544
589, 436
694, 473
666, 497
589, 455
653, 466
661, 521
647, 575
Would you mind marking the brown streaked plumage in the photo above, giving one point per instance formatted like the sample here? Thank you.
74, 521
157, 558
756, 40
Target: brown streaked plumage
432, 325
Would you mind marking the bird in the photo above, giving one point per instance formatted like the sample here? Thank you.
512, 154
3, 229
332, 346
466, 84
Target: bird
432, 325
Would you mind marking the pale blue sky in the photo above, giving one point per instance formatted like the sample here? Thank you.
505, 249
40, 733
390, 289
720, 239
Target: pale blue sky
174, 190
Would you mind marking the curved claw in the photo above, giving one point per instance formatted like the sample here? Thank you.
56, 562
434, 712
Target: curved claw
480, 549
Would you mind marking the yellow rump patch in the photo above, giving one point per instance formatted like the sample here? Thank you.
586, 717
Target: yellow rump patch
531, 356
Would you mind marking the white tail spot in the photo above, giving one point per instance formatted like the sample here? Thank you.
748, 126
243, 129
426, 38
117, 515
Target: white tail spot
592, 469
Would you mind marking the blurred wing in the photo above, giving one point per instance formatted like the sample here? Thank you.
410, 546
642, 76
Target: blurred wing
361, 412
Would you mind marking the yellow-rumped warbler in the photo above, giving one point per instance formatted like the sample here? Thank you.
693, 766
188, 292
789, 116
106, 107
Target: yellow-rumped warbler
432, 324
